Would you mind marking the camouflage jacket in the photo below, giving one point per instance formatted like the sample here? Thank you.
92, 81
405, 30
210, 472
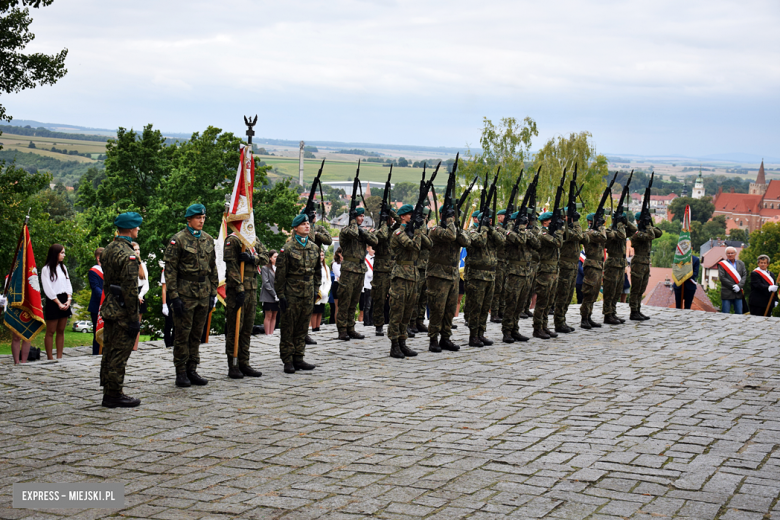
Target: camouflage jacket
191, 266
594, 247
298, 270
481, 260
519, 243
570, 250
532, 253
383, 260
320, 235
425, 249
446, 242
353, 243
642, 242
232, 250
501, 253
120, 267
406, 251
550, 250
616, 244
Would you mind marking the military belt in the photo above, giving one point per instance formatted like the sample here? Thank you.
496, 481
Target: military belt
405, 262
192, 278
548, 262
353, 259
518, 262
437, 261
305, 278
383, 257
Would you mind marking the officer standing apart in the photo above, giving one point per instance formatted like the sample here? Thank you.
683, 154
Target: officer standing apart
642, 242
241, 295
383, 266
298, 273
353, 239
119, 310
567, 271
615, 269
593, 270
192, 279
546, 275
441, 279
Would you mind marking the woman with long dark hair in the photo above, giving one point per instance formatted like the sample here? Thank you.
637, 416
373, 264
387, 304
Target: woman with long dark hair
55, 282
268, 293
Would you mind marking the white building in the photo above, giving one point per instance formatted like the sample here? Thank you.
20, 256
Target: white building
698, 187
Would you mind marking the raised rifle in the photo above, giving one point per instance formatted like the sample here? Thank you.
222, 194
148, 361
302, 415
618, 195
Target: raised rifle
448, 208
310, 209
644, 216
467, 192
571, 207
510, 208
598, 218
353, 202
425, 186
384, 212
557, 222
530, 193
485, 209
618, 214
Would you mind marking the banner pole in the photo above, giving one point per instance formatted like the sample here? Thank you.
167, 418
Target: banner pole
238, 316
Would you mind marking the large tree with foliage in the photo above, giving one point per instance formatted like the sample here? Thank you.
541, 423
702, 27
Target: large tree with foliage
701, 209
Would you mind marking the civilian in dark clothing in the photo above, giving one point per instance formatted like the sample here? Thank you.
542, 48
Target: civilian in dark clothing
96, 284
690, 287
578, 282
763, 289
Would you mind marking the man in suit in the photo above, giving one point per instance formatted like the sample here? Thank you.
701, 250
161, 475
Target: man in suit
733, 277
689, 285
95, 276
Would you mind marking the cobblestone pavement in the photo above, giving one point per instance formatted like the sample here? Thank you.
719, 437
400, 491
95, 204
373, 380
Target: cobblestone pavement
676, 417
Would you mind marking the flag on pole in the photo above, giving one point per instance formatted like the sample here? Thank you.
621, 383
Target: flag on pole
682, 265
240, 216
219, 249
25, 313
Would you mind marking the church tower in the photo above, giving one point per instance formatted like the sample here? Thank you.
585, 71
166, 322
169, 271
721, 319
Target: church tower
698, 187
759, 187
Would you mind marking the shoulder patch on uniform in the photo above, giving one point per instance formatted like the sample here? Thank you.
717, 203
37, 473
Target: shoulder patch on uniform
173, 242
281, 250
398, 232
132, 257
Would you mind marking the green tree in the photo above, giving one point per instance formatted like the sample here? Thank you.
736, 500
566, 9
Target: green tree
406, 192
663, 250
740, 235
20, 71
701, 209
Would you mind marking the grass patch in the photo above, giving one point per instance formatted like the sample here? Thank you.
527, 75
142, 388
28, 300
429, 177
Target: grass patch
341, 170
72, 339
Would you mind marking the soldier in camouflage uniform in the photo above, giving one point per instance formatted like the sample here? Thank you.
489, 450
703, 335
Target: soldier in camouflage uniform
353, 239
321, 237
567, 272
403, 285
298, 273
593, 270
241, 295
546, 276
642, 242
615, 269
383, 266
121, 322
533, 268
417, 323
441, 280
474, 220
520, 241
497, 306
191, 283
481, 263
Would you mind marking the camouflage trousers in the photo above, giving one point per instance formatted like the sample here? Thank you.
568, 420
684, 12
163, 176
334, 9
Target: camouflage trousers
418, 312
443, 298
350, 288
117, 346
532, 287
380, 285
245, 327
479, 296
563, 293
640, 275
613, 288
516, 289
295, 325
403, 294
189, 330
544, 286
497, 305
591, 284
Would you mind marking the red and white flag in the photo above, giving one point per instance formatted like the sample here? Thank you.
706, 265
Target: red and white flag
240, 216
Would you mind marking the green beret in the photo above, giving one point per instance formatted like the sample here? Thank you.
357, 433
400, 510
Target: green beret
299, 219
406, 208
359, 211
502, 212
426, 211
637, 215
514, 215
475, 214
616, 215
195, 209
590, 216
547, 215
129, 220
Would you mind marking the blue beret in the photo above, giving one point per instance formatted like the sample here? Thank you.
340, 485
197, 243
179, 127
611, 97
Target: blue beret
359, 211
514, 215
590, 216
195, 209
129, 220
502, 212
406, 208
547, 215
475, 214
299, 219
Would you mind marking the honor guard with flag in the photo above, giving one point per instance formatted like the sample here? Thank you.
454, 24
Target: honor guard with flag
682, 264
119, 310
191, 282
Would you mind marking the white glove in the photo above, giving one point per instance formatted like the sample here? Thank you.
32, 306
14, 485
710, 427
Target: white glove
165, 310
735, 288
3, 301
773, 288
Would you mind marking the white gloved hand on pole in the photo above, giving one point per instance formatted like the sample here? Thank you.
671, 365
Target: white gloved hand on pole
773, 288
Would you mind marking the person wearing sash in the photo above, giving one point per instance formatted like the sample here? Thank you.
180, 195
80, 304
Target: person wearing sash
763, 289
733, 276
95, 277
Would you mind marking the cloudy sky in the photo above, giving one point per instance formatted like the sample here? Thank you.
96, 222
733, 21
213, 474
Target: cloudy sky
644, 77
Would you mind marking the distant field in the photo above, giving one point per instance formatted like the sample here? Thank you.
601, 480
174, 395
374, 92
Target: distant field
341, 170
43, 146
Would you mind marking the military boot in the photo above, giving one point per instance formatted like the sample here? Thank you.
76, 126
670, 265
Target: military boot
594, 324
406, 350
433, 345
195, 379
181, 379
621, 320
611, 320
289, 368
635, 316
494, 318
550, 333
300, 364
395, 349
343, 336
379, 331
421, 327
410, 332
518, 337
475, 342
585, 324
523, 315
447, 344
355, 335
508, 338
309, 341
539, 333
120, 400
249, 371
413, 328
565, 329
233, 371
485, 341
529, 314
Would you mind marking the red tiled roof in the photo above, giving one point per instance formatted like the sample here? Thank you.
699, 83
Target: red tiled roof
663, 296
768, 213
671, 196
772, 191
738, 203
657, 275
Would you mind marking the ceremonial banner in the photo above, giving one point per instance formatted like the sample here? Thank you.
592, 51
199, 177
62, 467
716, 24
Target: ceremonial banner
682, 265
25, 313
219, 249
240, 216
99, 325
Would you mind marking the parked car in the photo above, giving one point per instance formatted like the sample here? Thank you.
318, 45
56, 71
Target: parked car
82, 326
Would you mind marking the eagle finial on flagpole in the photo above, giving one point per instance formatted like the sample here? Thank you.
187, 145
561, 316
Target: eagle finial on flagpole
249, 122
